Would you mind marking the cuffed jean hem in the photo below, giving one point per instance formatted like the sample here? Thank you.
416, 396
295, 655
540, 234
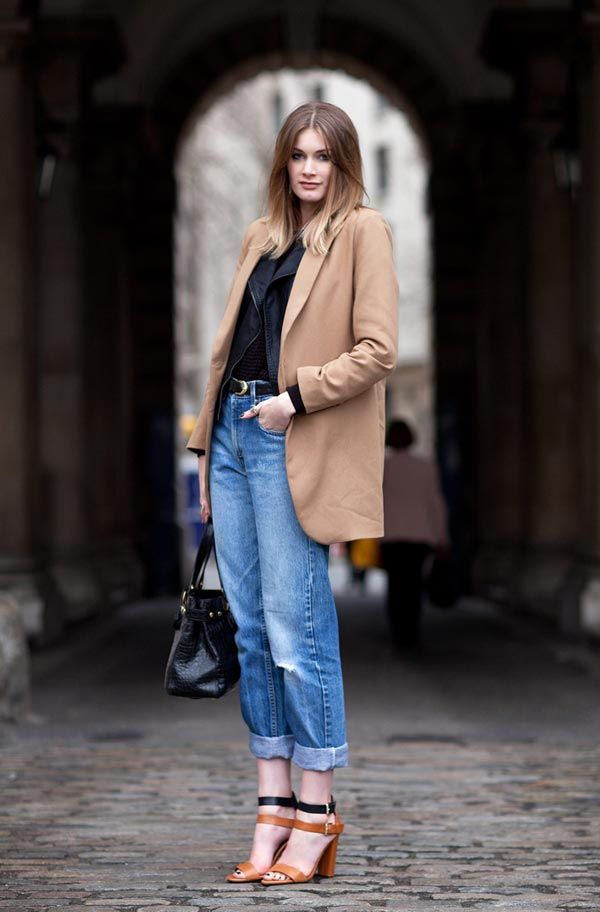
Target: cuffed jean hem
320, 758
268, 748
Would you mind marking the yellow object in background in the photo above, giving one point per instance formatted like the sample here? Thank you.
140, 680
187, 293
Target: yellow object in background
365, 553
186, 424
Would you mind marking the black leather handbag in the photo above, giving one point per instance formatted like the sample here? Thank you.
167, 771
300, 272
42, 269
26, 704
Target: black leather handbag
203, 661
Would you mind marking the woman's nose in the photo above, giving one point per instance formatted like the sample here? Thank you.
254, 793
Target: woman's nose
309, 167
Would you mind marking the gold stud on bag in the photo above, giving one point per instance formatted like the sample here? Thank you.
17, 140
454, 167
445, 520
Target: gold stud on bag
203, 661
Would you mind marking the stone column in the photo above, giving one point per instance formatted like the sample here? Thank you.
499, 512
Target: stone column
494, 151
551, 524
112, 456
81, 400
589, 323
62, 426
533, 47
19, 438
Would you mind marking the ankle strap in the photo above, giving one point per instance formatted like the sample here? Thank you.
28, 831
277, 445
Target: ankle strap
328, 808
326, 829
282, 802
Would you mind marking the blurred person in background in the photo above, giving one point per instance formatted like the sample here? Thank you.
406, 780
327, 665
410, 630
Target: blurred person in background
415, 523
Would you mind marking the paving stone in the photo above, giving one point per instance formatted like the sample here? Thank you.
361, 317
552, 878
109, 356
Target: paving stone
112, 808
66, 843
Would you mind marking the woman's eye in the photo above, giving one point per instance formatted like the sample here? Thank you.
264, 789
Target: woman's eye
324, 157
296, 155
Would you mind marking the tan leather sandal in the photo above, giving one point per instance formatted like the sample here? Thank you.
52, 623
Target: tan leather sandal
325, 865
248, 873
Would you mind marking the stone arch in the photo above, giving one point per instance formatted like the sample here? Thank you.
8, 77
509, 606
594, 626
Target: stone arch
407, 80
399, 74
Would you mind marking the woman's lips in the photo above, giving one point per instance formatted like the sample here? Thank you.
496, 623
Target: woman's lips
308, 184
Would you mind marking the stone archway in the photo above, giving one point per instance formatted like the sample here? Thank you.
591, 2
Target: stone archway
89, 368
238, 53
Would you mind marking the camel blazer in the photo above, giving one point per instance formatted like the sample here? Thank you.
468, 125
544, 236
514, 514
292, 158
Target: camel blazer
338, 342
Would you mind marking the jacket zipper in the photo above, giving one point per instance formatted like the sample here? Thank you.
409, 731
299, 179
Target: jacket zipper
227, 379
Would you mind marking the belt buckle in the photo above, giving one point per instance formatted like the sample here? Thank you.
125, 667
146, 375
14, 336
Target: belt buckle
244, 388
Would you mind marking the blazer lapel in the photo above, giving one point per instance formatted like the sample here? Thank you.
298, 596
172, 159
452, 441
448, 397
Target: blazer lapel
234, 302
308, 270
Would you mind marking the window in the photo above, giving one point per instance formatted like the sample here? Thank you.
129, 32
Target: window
381, 104
382, 166
277, 109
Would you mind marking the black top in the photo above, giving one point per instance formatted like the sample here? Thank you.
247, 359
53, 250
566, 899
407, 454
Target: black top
253, 363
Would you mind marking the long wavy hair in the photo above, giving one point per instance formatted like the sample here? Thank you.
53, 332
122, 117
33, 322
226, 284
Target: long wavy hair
344, 193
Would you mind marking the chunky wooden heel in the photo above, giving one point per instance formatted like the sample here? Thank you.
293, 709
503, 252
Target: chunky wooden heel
247, 871
325, 865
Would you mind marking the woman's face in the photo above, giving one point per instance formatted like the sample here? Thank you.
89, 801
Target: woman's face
309, 168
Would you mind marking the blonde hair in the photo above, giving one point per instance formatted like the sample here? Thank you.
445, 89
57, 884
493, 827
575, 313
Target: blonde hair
344, 193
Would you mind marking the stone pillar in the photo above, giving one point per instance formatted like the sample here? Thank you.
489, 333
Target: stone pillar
589, 323
19, 439
111, 456
65, 528
85, 422
551, 519
533, 47
495, 153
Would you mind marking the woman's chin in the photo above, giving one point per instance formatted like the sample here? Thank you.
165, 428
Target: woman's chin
309, 196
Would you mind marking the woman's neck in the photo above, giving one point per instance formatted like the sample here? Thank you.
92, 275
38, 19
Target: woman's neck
307, 210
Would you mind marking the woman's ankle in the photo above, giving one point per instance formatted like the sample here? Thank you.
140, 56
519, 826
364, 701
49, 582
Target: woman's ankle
277, 810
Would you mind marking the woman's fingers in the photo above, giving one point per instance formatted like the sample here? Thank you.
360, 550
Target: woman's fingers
251, 412
275, 417
204, 511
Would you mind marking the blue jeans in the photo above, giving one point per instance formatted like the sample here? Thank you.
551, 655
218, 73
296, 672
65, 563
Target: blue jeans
276, 581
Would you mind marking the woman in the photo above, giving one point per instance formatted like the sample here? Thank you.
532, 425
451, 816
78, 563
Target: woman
291, 441
415, 523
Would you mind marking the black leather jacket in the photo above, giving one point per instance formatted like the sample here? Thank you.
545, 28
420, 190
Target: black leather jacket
265, 298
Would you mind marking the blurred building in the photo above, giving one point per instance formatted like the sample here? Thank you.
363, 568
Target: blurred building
95, 98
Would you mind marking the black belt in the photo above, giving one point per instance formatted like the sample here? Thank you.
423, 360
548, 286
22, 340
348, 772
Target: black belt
240, 387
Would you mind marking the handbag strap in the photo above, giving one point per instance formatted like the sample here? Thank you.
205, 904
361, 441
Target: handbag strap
202, 556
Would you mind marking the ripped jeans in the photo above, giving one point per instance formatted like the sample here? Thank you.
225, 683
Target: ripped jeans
276, 581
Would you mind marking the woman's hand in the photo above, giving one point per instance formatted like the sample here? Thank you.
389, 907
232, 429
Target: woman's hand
204, 508
273, 414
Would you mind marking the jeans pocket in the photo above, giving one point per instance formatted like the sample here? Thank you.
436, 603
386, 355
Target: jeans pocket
271, 433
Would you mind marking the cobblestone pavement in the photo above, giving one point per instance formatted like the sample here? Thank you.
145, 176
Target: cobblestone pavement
473, 781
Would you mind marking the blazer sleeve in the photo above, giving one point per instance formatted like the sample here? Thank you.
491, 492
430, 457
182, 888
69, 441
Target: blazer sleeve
197, 441
374, 321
